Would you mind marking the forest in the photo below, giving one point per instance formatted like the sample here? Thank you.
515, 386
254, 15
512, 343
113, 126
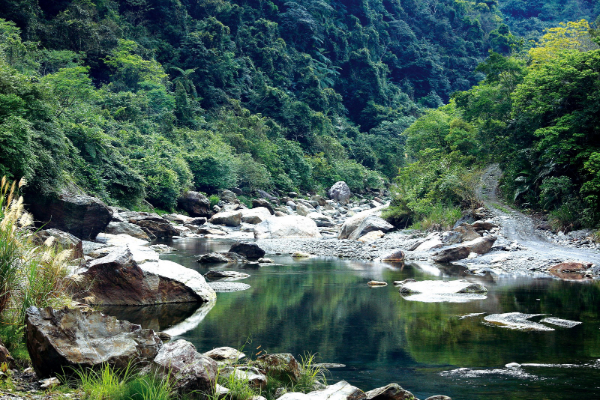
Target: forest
137, 101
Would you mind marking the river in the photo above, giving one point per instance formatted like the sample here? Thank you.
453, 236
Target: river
323, 306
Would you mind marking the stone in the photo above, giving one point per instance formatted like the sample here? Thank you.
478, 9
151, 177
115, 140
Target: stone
300, 254
340, 192
80, 215
320, 200
49, 383
218, 258
226, 274
228, 196
432, 241
154, 226
439, 397
228, 354
371, 237
480, 246
340, 391
516, 321
352, 223
63, 239
290, 226
198, 221
304, 209
393, 391
321, 220
376, 284
195, 204
266, 195
60, 340
570, 270
5, 357
126, 228
369, 224
283, 366
227, 218
466, 232
228, 287
262, 203
251, 251
563, 323
394, 256
177, 218
117, 279
441, 287
251, 374
255, 215
483, 225
189, 370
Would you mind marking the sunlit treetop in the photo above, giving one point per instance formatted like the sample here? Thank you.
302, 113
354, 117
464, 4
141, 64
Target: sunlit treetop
568, 36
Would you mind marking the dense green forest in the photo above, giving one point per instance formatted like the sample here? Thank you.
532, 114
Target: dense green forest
135, 100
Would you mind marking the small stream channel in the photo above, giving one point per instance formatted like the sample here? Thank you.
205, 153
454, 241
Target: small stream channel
324, 306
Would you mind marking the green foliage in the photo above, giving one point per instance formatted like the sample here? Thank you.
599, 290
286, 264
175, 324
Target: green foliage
310, 375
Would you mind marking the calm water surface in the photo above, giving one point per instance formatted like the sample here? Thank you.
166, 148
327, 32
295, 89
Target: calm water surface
324, 306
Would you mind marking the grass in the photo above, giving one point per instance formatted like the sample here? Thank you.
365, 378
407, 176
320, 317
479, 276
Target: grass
310, 375
438, 217
502, 208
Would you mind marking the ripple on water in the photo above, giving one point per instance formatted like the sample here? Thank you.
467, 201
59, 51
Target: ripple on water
517, 373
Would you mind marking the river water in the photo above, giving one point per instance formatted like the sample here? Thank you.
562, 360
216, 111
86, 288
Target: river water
323, 306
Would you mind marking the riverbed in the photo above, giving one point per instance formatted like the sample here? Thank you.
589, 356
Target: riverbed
323, 306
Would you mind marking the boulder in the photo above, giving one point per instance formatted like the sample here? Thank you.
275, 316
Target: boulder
195, 204
321, 220
63, 239
371, 237
177, 218
340, 391
394, 256
290, 226
393, 391
483, 225
304, 209
250, 374
262, 203
126, 228
117, 279
218, 258
432, 241
340, 192
283, 367
266, 195
227, 218
188, 370
369, 224
227, 196
465, 233
251, 251
440, 287
154, 225
80, 215
198, 221
227, 354
212, 274
352, 223
320, 200
60, 340
480, 246
255, 215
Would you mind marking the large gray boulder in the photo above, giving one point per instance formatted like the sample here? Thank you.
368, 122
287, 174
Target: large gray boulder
228, 196
340, 391
352, 223
126, 228
290, 226
369, 224
340, 192
322, 221
195, 204
63, 240
251, 251
117, 279
255, 215
304, 209
154, 225
189, 370
480, 245
80, 215
393, 391
60, 340
227, 218
257, 203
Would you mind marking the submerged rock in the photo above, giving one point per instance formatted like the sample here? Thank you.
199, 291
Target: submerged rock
226, 274
221, 258
458, 291
563, 323
376, 283
225, 287
517, 321
59, 340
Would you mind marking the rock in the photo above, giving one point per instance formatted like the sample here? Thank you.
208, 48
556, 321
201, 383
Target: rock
371, 236
5, 357
162, 248
262, 203
117, 279
563, 323
265, 261
227, 218
441, 287
304, 209
228, 354
126, 228
59, 340
393, 391
321, 220
480, 246
254, 377
289, 226
439, 397
164, 336
49, 383
369, 224
569, 270
255, 215
283, 367
376, 283
352, 223
340, 391
228, 287
394, 256
300, 254
251, 251
177, 218
517, 321
198, 221
63, 239
80, 215
226, 274
189, 370
228, 196
483, 225
466, 232
320, 200
154, 226
266, 195
432, 241
216, 258
221, 392
195, 204
340, 192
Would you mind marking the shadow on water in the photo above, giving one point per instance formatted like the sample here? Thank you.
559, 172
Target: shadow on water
324, 306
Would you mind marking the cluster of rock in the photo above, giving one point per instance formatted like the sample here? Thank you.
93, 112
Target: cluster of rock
68, 340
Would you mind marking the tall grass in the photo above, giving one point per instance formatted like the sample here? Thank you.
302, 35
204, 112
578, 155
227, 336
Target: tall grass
438, 217
310, 375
